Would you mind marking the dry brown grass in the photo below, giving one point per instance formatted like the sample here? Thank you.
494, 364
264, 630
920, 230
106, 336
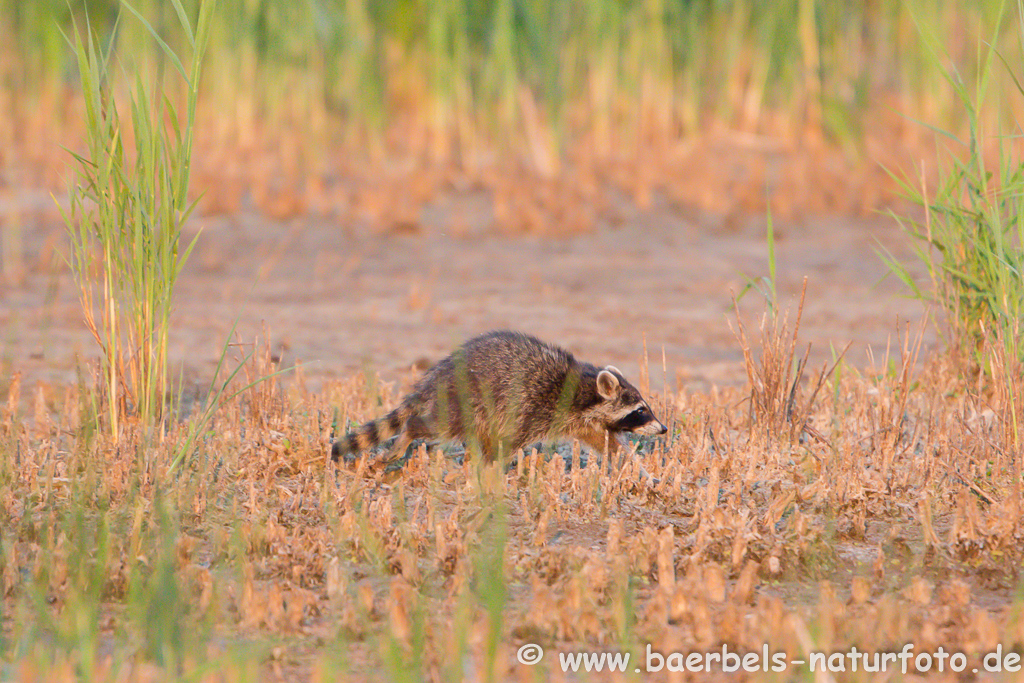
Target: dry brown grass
902, 523
285, 170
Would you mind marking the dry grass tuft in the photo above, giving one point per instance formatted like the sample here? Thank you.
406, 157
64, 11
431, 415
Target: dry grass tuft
900, 524
778, 406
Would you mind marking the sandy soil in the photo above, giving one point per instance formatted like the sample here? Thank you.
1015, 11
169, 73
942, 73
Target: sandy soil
341, 298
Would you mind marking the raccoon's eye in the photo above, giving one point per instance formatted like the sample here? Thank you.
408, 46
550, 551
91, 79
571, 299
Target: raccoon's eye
636, 418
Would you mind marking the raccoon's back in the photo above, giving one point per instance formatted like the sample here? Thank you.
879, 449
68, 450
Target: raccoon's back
498, 377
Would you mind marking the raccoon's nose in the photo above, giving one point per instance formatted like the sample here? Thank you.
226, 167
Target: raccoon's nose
663, 430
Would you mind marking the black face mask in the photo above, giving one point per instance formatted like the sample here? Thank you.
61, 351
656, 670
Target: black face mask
637, 418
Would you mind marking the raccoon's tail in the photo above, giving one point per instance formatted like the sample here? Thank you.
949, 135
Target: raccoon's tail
372, 433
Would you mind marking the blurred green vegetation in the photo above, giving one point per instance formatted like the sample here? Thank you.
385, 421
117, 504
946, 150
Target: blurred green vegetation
585, 63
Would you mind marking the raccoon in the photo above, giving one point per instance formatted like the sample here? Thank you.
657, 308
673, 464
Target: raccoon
504, 390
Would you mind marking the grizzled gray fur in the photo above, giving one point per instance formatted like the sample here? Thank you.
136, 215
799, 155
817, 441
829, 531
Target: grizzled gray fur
503, 390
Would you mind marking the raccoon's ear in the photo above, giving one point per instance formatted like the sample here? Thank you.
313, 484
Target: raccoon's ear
608, 385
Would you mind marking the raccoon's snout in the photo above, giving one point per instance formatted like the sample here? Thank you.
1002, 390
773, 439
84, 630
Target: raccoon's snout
640, 421
652, 428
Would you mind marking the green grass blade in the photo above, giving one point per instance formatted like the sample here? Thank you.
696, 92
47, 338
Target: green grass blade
185, 24
163, 45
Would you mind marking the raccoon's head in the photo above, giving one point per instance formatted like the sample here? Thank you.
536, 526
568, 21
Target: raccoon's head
622, 408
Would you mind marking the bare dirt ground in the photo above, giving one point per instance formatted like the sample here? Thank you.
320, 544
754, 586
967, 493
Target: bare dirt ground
341, 298
896, 525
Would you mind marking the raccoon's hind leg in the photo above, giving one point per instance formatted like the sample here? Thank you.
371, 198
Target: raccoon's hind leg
414, 428
483, 444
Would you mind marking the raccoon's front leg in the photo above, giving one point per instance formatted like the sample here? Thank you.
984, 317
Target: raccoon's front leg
608, 445
603, 443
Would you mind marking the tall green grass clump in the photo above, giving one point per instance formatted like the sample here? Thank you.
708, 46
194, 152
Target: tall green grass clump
971, 235
476, 72
127, 209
